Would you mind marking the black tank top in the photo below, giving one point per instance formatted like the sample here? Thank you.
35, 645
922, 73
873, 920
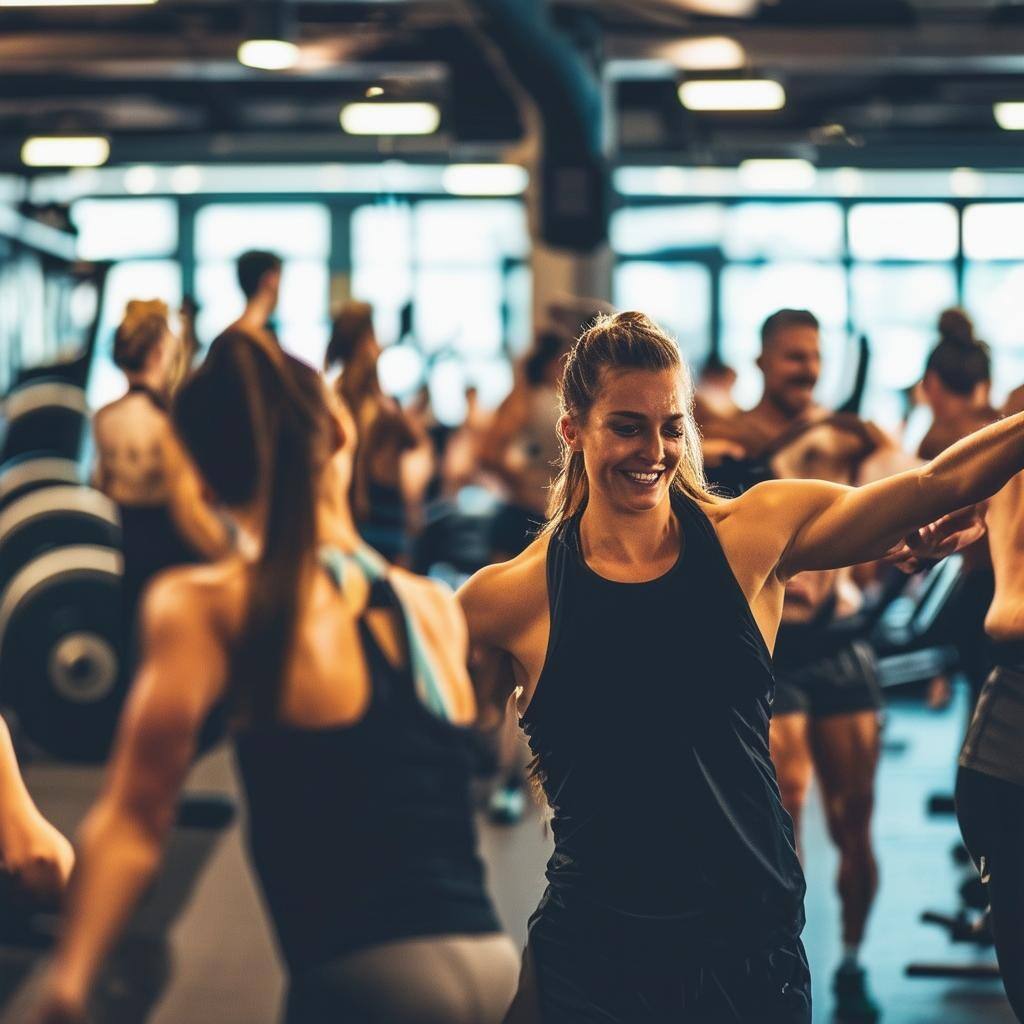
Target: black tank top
650, 729
362, 834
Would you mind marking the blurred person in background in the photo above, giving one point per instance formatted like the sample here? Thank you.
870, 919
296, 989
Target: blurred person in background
140, 466
259, 277
390, 478
826, 711
521, 445
461, 461
956, 387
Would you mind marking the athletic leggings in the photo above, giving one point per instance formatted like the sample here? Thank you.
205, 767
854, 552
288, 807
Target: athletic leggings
448, 979
991, 816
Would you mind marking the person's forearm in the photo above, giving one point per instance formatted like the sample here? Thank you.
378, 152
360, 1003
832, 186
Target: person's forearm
200, 527
14, 797
975, 468
117, 859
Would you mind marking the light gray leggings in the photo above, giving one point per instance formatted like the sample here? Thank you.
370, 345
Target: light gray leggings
446, 979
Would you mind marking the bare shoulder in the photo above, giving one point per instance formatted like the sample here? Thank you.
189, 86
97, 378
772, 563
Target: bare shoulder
197, 599
433, 599
760, 524
499, 598
769, 498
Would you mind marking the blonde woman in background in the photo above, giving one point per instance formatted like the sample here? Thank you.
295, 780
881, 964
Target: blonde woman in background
141, 466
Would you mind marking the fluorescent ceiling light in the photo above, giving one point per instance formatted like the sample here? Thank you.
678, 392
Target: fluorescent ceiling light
76, 3
485, 179
65, 151
711, 53
777, 175
1009, 116
732, 94
390, 118
268, 54
140, 180
719, 8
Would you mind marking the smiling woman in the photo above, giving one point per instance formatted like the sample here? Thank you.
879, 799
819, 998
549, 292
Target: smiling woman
594, 373
636, 636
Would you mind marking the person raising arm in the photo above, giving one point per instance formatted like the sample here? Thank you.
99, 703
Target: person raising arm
636, 633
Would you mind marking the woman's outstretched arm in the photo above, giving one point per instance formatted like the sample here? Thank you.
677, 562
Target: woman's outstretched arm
830, 526
120, 842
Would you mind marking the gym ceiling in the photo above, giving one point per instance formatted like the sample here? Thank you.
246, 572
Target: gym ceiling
870, 83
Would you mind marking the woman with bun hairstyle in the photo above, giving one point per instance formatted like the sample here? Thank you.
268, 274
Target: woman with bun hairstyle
349, 704
141, 466
956, 385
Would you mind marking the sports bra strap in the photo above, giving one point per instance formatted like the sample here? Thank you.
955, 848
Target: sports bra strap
426, 673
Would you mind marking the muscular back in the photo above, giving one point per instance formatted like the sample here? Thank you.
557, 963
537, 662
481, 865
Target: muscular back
132, 440
326, 683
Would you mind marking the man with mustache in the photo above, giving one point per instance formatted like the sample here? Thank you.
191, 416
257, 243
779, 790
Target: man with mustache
825, 718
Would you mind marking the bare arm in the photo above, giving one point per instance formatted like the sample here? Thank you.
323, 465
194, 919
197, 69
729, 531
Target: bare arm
508, 420
121, 839
830, 526
193, 517
493, 680
35, 859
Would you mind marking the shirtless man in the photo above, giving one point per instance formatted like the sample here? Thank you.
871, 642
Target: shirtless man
825, 718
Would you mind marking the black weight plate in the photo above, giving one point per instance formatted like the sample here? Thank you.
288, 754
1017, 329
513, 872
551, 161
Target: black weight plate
44, 414
60, 638
53, 517
30, 472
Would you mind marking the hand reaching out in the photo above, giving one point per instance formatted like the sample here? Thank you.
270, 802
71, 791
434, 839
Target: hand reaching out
938, 540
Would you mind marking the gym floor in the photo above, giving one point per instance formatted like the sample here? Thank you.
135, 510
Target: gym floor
219, 967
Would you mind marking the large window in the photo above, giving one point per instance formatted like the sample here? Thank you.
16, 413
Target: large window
712, 270
142, 236
994, 286
447, 280
300, 233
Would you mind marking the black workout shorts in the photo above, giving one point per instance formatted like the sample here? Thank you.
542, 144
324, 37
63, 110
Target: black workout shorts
841, 684
568, 983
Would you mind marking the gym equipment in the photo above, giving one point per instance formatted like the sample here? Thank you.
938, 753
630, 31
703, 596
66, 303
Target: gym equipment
34, 470
60, 635
963, 927
44, 414
53, 516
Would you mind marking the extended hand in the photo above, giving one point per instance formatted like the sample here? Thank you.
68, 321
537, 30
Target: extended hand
35, 860
938, 540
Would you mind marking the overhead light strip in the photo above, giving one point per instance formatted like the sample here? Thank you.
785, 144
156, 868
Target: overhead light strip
1009, 116
77, 3
390, 118
65, 151
732, 94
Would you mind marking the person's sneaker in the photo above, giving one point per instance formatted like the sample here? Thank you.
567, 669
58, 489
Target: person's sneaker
854, 1004
508, 805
